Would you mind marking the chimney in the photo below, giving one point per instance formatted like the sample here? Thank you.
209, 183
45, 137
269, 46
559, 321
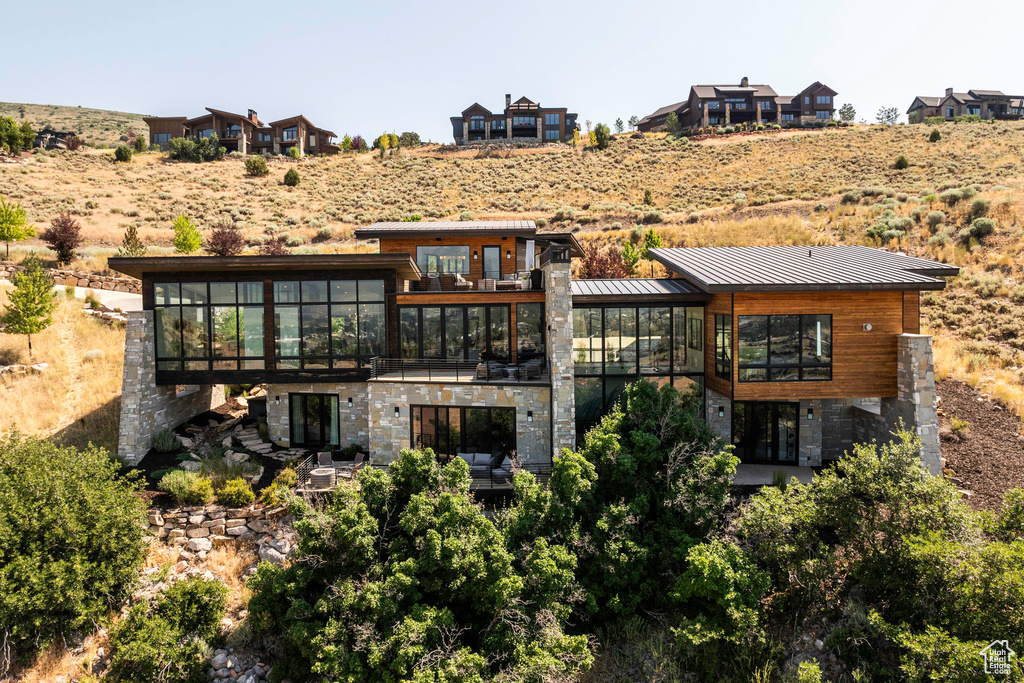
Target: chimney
949, 91
508, 100
252, 116
743, 83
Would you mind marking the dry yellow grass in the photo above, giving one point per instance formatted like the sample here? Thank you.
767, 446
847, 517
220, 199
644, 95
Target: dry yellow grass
77, 397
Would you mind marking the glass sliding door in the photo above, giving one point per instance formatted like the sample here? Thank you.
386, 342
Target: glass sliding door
492, 263
765, 432
314, 419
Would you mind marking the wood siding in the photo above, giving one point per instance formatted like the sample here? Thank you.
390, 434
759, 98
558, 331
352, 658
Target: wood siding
863, 362
407, 245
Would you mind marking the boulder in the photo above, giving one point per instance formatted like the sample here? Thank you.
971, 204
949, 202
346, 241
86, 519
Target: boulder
217, 529
184, 441
155, 518
260, 526
271, 554
237, 530
199, 544
197, 519
637, 136
190, 465
198, 532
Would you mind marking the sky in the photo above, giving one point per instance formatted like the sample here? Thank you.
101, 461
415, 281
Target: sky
390, 66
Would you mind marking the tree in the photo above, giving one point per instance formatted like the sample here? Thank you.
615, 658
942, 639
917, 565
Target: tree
587, 122
630, 257
203, 149
672, 123
14, 138
912, 118
601, 263
187, 239
847, 112
409, 139
935, 135
225, 240
123, 153
888, 116
633, 122
140, 144
358, 143
256, 166
14, 225
275, 246
575, 138
601, 136
652, 240
131, 245
291, 178
30, 305
64, 236
619, 126
346, 143
71, 542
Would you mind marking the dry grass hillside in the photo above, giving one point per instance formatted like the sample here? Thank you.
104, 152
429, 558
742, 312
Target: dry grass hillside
832, 186
95, 126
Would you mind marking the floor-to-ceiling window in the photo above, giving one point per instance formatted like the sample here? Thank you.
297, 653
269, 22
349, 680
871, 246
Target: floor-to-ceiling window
449, 431
469, 333
614, 345
764, 432
314, 419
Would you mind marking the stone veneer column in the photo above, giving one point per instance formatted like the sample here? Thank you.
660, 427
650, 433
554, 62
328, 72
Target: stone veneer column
916, 401
487, 130
540, 121
558, 313
809, 433
147, 408
757, 111
465, 132
721, 426
508, 127
728, 117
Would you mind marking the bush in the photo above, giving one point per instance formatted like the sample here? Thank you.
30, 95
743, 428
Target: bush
979, 207
291, 178
938, 239
276, 494
466, 216
139, 145
187, 239
187, 488
197, 151
603, 136
851, 197
935, 136
293, 152
951, 197
194, 606
901, 163
934, 219
237, 493
979, 229
739, 200
225, 240
164, 441
71, 543
123, 153
1017, 294
256, 166
64, 236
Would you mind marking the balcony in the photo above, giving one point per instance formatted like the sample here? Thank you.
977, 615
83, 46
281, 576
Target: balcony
523, 281
231, 134
533, 371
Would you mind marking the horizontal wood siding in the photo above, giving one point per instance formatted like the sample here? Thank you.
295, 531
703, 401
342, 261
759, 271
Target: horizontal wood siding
407, 245
863, 363
912, 312
720, 304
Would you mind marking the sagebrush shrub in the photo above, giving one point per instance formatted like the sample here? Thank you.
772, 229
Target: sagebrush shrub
901, 163
187, 488
291, 178
123, 153
935, 219
935, 136
237, 493
256, 166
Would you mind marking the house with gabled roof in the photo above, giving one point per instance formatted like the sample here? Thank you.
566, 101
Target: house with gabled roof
523, 119
988, 104
245, 134
730, 104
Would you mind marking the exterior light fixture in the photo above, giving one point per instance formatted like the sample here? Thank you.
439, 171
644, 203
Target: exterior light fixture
277, 400
810, 413
529, 416
721, 411
397, 412
508, 253
867, 327
349, 401
474, 256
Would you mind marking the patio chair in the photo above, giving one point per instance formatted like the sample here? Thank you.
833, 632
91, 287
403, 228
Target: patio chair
531, 369
324, 459
349, 471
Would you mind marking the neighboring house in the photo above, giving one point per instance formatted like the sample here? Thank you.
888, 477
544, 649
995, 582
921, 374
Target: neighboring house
724, 105
523, 119
245, 134
988, 104
48, 138
472, 339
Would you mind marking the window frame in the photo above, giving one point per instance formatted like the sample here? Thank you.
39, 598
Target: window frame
800, 365
723, 346
422, 265
487, 350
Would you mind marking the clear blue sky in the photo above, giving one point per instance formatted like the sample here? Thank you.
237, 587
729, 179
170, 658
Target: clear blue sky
393, 66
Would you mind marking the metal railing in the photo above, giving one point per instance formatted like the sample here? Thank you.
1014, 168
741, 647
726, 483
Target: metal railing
420, 369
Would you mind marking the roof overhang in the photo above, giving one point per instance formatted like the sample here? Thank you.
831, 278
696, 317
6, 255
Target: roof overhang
431, 229
137, 267
561, 238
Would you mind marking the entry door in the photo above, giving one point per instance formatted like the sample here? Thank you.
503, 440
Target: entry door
765, 432
314, 419
492, 263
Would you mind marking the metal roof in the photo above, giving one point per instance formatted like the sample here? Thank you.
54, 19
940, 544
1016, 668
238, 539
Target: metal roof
395, 228
791, 268
635, 289
136, 266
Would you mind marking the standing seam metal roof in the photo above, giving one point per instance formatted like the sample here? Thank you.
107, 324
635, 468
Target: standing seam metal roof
636, 288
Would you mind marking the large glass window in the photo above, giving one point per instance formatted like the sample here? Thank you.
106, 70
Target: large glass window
620, 341
529, 331
476, 123
551, 134
723, 346
587, 343
765, 432
290, 133
160, 138
775, 348
321, 324
314, 419
203, 326
524, 121
551, 119
443, 259
823, 99
714, 104
456, 431
455, 332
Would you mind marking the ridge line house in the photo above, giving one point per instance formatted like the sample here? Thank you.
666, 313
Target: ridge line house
724, 105
988, 104
523, 119
472, 339
245, 134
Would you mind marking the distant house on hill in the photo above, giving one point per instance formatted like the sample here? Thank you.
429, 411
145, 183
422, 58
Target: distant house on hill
245, 134
988, 104
48, 138
523, 119
724, 105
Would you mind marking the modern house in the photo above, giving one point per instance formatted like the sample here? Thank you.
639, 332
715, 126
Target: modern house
48, 138
523, 119
724, 105
471, 338
988, 104
245, 134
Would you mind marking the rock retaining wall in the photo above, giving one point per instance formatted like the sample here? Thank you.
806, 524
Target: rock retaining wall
201, 528
79, 278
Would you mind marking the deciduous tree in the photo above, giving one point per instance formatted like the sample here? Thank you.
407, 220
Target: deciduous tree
187, 239
225, 240
888, 115
64, 236
30, 305
633, 121
14, 226
619, 125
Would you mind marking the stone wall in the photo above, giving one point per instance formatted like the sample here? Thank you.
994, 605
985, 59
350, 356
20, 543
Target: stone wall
201, 528
79, 278
558, 312
390, 433
145, 407
353, 423
721, 426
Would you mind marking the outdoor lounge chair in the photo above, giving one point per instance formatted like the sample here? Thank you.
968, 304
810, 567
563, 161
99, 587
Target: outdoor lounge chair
349, 471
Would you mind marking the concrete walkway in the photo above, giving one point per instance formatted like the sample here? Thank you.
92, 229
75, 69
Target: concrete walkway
759, 475
109, 298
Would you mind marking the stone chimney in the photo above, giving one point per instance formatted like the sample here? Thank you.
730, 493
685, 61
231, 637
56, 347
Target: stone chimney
253, 117
508, 100
949, 91
743, 83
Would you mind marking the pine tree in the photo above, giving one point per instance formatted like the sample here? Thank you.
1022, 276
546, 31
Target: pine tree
131, 245
633, 122
30, 306
187, 239
14, 225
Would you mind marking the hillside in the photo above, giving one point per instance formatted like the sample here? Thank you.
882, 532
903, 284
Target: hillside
96, 126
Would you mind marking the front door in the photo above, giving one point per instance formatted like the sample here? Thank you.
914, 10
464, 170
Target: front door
492, 263
765, 432
314, 419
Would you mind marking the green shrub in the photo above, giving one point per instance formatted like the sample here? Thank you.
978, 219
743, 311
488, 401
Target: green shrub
1017, 294
293, 152
165, 441
123, 153
938, 239
851, 197
934, 120
203, 149
291, 177
808, 672
194, 606
979, 207
71, 544
236, 493
979, 229
935, 135
187, 488
934, 219
951, 197
820, 206
256, 166
276, 494
140, 144
1011, 516
901, 163
739, 200
466, 216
